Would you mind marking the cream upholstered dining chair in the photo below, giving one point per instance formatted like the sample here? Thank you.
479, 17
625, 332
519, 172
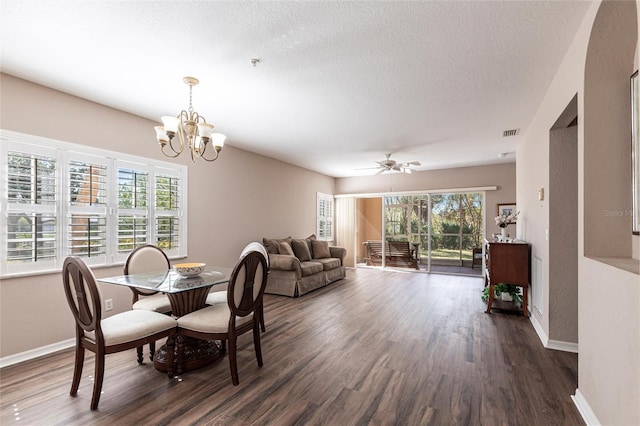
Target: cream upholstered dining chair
119, 332
221, 296
239, 315
148, 258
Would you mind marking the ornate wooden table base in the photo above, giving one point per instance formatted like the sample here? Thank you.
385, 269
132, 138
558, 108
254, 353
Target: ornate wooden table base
197, 354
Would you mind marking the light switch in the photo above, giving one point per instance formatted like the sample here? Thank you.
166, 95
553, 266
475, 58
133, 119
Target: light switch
541, 194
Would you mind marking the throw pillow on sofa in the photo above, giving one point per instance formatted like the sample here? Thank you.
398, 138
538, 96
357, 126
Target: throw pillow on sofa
285, 248
320, 249
301, 250
273, 244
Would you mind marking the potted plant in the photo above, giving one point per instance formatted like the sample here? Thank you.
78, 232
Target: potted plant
511, 290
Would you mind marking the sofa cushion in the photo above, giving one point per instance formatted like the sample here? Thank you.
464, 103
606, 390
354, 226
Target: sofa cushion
320, 249
285, 248
301, 250
328, 263
273, 244
310, 268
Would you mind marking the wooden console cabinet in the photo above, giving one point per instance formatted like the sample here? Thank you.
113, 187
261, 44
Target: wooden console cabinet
508, 263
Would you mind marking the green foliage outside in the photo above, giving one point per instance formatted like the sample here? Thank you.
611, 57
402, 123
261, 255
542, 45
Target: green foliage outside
133, 194
456, 223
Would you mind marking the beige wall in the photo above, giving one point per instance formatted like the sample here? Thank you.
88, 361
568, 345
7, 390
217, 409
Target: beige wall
237, 199
501, 175
608, 325
607, 124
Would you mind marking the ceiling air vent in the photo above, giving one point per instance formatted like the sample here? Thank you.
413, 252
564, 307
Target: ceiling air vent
511, 132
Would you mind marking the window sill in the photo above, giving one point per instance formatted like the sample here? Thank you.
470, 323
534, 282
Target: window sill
58, 271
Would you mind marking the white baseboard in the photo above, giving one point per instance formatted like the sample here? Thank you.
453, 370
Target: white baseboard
539, 330
557, 345
585, 410
37, 352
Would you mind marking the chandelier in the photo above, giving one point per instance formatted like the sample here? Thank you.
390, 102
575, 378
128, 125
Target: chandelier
192, 130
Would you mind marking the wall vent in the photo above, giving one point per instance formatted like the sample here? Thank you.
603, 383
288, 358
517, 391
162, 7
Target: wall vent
511, 132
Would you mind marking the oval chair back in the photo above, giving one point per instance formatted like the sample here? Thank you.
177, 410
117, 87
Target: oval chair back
147, 258
247, 283
83, 296
255, 246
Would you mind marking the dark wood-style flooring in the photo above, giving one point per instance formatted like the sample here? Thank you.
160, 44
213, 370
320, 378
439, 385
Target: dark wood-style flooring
377, 348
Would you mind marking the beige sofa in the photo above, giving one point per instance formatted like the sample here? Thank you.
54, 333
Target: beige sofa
298, 266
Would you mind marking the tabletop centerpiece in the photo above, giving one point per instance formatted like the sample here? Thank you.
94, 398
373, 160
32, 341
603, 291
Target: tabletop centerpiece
188, 270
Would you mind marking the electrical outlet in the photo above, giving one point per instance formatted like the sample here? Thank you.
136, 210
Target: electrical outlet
108, 304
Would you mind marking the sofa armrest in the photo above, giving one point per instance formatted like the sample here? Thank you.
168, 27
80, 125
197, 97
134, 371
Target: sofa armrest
284, 262
339, 252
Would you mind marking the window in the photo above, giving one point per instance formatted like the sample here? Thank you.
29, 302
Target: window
133, 201
167, 207
60, 199
324, 229
86, 216
30, 208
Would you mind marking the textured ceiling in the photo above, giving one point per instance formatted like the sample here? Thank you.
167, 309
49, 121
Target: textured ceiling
339, 84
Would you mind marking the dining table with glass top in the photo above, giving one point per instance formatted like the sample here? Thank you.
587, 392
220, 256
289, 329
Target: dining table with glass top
186, 294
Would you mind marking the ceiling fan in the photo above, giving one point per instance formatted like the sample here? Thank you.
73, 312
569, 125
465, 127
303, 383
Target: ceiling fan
389, 165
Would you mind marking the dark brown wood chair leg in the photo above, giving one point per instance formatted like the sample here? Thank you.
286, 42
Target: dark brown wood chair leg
98, 378
256, 344
233, 362
77, 370
139, 350
262, 327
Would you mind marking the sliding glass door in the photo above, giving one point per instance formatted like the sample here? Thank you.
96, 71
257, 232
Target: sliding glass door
445, 227
456, 228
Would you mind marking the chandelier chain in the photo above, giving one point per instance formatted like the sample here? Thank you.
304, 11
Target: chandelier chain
190, 98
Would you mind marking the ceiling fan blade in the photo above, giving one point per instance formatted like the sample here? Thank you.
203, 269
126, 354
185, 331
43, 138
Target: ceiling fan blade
381, 171
414, 163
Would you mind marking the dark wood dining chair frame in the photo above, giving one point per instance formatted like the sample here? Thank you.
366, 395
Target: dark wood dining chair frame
247, 306
139, 292
262, 249
86, 307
